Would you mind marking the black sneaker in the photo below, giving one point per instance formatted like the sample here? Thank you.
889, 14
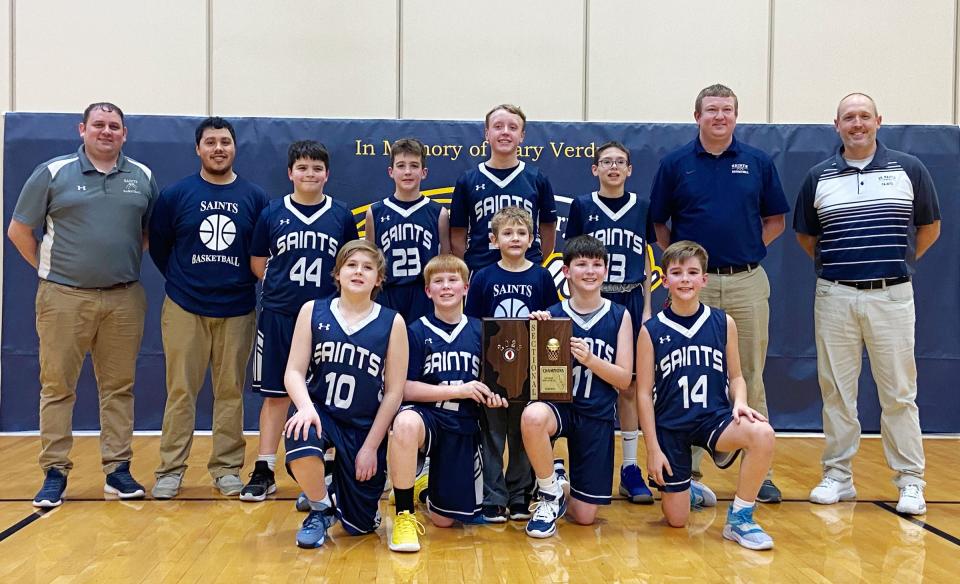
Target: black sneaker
769, 493
520, 511
122, 484
51, 493
261, 483
494, 514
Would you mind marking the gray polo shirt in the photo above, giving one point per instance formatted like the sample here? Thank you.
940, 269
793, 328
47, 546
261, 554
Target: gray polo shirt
92, 222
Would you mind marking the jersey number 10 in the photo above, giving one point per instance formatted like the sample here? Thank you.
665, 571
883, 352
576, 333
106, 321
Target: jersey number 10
697, 395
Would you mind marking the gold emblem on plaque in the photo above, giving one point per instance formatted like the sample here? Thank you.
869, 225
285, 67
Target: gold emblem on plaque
553, 349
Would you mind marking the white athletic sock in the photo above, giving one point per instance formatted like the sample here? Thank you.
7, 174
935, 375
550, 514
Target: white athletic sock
629, 442
549, 485
321, 504
739, 504
271, 460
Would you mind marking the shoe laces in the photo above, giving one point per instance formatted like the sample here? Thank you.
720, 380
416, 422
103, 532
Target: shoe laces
632, 473
912, 491
317, 519
545, 508
407, 525
260, 474
828, 482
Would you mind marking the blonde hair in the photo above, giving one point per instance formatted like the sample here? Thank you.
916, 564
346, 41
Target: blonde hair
509, 108
681, 251
354, 247
445, 264
509, 216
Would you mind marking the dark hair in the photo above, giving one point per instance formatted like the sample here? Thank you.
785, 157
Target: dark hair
102, 105
309, 149
215, 123
715, 90
680, 251
606, 146
584, 246
408, 146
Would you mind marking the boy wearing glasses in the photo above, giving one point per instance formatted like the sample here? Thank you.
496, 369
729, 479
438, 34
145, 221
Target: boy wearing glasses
620, 220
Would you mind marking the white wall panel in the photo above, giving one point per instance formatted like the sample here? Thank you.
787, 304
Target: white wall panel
313, 58
900, 53
648, 60
147, 57
460, 58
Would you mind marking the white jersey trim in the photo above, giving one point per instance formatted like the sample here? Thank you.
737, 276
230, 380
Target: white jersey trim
687, 332
606, 210
407, 212
324, 206
577, 318
501, 183
54, 167
146, 169
350, 330
46, 250
449, 338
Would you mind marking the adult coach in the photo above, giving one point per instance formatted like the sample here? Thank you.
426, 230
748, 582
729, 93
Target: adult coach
94, 206
200, 240
726, 196
865, 215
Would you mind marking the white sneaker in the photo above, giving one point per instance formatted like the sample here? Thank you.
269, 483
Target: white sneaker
830, 490
911, 500
701, 495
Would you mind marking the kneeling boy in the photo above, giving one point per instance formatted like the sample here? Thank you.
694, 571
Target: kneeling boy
442, 421
602, 351
687, 366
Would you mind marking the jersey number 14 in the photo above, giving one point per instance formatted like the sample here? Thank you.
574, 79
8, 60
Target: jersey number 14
697, 395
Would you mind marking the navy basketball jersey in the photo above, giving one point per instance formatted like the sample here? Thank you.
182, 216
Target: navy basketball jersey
481, 192
409, 236
445, 354
301, 251
348, 362
690, 366
592, 396
623, 231
500, 293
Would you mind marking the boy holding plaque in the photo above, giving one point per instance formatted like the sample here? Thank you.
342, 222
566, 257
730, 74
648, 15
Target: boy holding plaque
687, 356
602, 349
510, 288
440, 416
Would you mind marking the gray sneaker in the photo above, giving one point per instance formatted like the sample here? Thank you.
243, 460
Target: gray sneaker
167, 486
229, 485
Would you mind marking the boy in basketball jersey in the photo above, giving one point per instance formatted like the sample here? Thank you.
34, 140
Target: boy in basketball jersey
440, 418
502, 181
354, 354
295, 244
688, 364
511, 288
410, 229
620, 220
602, 349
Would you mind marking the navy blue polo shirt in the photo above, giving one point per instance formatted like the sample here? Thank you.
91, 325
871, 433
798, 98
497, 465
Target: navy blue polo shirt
718, 201
865, 220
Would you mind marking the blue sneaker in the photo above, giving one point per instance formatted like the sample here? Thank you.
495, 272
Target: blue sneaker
303, 503
122, 484
549, 509
701, 496
51, 493
741, 528
632, 486
313, 532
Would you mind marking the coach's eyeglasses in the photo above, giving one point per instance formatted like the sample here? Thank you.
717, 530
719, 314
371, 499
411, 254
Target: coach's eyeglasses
608, 162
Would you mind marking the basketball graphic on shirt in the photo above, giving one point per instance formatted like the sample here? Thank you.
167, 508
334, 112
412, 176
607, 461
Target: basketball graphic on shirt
511, 308
217, 232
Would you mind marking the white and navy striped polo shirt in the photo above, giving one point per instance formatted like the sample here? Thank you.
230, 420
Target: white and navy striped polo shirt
864, 218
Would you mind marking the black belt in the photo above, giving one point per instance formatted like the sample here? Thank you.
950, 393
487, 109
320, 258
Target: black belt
729, 270
873, 284
117, 286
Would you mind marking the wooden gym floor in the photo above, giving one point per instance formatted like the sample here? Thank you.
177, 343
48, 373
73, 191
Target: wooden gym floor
202, 537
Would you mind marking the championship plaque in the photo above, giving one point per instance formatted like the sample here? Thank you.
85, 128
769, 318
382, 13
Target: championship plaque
528, 360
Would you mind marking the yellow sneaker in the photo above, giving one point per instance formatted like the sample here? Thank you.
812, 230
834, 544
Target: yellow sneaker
405, 530
419, 486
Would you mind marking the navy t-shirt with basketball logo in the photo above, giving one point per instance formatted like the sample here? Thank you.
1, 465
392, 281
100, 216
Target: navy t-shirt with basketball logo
499, 293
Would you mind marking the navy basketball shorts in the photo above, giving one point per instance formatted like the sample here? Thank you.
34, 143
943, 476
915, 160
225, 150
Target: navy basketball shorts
676, 444
410, 300
633, 300
455, 487
590, 446
274, 335
357, 503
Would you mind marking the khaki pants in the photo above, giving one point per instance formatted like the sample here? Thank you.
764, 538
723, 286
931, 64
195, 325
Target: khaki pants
192, 343
745, 297
109, 325
846, 319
